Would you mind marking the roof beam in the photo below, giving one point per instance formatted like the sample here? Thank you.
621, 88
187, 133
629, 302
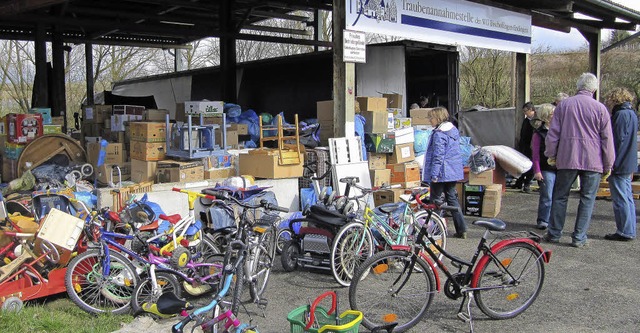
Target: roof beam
270, 14
621, 42
277, 30
14, 7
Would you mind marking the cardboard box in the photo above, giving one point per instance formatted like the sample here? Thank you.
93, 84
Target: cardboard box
143, 171
420, 116
136, 110
473, 195
45, 112
204, 107
218, 161
242, 129
387, 196
148, 151
401, 122
377, 161
264, 164
114, 153
148, 131
403, 135
170, 171
9, 169
460, 192
396, 112
378, 104
13, 151
97, 114
394, 101
232, 138
92, 130
57, 121
492, 200
61, 229
402, 153
23, 128
379, 142
380, 177
105, 169
375, 122
51, 129
157, 115
324, 111
405, 174
223, 173
483, 178
118, 121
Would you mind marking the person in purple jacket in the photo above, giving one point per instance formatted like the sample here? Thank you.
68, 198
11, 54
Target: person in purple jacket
544, 173
443, 165
580, 144
625, 127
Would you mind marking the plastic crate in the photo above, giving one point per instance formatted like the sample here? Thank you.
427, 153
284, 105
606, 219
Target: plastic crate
324, 321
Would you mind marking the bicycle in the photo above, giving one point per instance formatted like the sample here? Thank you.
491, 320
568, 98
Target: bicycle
260, 239
398, 285
103, 279
357, 240
226, 318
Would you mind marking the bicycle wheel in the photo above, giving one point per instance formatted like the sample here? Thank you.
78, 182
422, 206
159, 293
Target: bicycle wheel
262, 263
238, 288
436, 228
508, 292
391, 292
352, 246
207, 247
283, 236
290, 253
144, 292
95, 293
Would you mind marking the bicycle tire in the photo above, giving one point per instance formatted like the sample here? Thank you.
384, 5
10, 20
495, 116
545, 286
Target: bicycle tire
238, 288
219, 240
371, 294
144, 291
351, 247
437, 229
265, 253
283, 236
85, 288
208, 247
524, 262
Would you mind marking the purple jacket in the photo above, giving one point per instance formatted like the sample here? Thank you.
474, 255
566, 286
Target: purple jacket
580, 136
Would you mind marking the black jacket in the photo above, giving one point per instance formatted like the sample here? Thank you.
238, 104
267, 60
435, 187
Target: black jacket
526, 133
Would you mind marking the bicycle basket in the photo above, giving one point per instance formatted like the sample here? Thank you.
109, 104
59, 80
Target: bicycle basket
347, 322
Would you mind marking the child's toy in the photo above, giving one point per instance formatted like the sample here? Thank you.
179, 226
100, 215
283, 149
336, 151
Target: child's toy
314, 319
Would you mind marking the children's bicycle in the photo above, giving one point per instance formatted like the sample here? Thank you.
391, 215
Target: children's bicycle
223, 320
504, 277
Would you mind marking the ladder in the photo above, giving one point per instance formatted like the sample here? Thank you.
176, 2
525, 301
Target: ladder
287, 153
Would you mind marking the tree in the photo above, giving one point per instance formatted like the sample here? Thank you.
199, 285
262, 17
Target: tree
485, 78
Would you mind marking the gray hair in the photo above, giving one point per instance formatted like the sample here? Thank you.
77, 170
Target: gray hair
561, 96
588, 81
545, 112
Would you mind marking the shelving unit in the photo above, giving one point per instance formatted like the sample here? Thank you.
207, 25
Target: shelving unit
191, 141
287, 153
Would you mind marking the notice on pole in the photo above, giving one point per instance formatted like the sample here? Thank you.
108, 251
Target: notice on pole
355, 47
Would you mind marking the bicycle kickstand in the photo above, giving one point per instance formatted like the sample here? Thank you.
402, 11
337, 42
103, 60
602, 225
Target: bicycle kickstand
466, 316
262, 304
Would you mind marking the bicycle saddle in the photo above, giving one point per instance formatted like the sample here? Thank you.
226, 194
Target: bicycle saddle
151, 226
324, 215
388, 208
173, 219
492, 224
167, 304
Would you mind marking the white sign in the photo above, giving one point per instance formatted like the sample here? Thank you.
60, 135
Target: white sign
355, 46
451, 22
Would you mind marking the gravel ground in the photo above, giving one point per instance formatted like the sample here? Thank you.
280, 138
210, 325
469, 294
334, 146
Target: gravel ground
591, 289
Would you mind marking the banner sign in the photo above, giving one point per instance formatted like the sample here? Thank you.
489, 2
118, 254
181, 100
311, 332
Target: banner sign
448, 22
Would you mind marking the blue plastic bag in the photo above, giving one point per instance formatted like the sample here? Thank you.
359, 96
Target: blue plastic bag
232, 110
421, 140
308, 197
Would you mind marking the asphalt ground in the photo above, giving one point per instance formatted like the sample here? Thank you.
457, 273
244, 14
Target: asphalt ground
589, 289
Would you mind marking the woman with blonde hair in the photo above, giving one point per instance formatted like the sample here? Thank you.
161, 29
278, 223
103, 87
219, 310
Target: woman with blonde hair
624, 124
544, 173
443, 165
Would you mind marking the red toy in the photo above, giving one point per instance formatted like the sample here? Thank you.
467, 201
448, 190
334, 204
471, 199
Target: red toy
23, 128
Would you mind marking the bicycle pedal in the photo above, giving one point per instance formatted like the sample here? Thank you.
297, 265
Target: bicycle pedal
456, 264
262, 303
464, 317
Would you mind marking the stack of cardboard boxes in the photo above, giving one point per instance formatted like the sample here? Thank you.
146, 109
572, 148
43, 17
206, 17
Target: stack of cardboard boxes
148, 146
483, 193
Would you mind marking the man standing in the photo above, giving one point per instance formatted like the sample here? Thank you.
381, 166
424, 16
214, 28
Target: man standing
580, 144
524, 146
625, 126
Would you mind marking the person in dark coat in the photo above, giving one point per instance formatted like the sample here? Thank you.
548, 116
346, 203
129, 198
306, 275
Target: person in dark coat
524, 146
443, 165
624, 124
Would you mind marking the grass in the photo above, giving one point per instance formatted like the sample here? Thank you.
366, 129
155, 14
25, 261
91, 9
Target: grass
59, 315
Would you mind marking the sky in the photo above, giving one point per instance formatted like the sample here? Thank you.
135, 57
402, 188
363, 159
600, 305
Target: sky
559, 41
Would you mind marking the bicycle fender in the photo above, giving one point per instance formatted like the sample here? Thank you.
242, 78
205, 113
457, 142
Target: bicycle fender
407, 248
485, 258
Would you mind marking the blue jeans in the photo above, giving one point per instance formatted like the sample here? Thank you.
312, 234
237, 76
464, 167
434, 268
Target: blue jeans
546, 194
624, 209
451, 196
589, 182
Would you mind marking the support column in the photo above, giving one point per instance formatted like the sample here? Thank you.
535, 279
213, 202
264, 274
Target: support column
316, 28
59, 100
179, 62
40, 98
343, 78
595, 45
521, 88
228, 61
88, 56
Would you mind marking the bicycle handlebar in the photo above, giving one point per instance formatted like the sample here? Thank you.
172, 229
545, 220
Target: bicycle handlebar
223, 195
192, 193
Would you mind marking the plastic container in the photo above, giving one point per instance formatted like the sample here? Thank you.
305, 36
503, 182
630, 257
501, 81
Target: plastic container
322, 321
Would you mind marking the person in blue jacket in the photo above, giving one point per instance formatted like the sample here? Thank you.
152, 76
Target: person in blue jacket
624, 123
443, 165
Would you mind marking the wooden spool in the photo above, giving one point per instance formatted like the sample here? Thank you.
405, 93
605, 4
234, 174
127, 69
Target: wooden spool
46, 147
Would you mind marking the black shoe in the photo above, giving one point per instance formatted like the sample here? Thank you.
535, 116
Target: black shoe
617, 237
526, 189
